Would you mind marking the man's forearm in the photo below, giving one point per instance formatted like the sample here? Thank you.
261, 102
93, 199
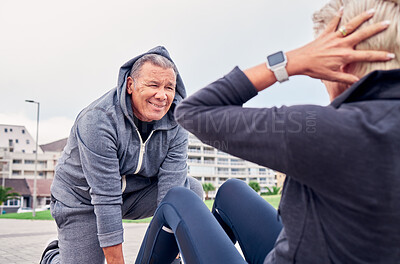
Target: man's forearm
114, 254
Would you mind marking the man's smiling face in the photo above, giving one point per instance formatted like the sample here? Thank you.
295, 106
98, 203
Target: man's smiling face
152, 92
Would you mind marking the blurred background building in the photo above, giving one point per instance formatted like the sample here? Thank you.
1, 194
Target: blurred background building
17, 162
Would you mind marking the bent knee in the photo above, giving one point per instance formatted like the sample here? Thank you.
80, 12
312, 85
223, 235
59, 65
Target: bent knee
196, 187
231, 186
178, 193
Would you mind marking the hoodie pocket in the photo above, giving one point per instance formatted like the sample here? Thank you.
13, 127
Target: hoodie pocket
55, 210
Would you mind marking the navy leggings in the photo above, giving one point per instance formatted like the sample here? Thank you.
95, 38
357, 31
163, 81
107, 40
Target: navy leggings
239, 214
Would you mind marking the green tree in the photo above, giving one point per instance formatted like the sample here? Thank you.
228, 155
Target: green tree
5, 195
208, 187
255, 186
273, 191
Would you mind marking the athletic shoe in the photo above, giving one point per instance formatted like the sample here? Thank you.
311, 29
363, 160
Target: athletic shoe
52, 245
177, 261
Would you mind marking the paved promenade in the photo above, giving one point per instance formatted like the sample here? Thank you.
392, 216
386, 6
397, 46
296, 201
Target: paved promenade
23, 241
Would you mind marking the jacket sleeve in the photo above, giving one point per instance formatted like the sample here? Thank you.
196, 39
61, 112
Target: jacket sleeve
301, 141
96, 135
173, 170
215, 115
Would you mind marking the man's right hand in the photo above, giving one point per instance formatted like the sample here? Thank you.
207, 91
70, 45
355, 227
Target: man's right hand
114, 254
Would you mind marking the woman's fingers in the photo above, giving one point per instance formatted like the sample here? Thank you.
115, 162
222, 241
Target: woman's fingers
367, 32
345, 78
354, 23
332, 25
333, 50
371, 56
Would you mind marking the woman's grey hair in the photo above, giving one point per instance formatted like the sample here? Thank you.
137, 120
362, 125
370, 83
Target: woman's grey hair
154, 59
388, 40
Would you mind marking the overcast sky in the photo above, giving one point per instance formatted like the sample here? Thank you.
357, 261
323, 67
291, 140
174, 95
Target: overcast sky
65, 54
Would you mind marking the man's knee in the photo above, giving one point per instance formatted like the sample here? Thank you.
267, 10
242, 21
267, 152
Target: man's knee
196, 187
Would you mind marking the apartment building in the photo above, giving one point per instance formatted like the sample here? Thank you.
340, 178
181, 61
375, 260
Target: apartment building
17, 139
17, 166
210, 165
17, 155
205, 163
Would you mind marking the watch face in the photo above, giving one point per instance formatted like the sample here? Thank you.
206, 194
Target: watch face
276, 58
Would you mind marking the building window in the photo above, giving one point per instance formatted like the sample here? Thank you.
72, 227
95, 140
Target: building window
10, 129
209, 160
23, 131
27, 141
200, 170
194, 149
237, 162
223, 161
16, 172
222, 180
12, 202
48, 200
17, 161
16, 141
5, 130
23, 151
253, 171
238, 171
223, 171
29, 162
209, 179
208, 150
10, 142
194, 159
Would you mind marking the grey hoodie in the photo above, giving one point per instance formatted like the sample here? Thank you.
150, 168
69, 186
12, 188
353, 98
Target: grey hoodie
105, 156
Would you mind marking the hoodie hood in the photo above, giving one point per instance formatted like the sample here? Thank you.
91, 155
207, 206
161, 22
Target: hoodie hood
124, 99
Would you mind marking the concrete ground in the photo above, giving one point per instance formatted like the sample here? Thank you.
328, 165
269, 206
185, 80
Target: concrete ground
23, 241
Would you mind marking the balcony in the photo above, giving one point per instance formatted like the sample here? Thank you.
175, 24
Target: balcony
194, 150
209, 152
238, 173
237, 163
194, 160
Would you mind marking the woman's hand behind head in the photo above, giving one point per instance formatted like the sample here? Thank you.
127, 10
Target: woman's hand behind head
388, 40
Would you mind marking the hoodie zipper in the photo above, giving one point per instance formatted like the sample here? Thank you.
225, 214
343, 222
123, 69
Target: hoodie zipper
142, 150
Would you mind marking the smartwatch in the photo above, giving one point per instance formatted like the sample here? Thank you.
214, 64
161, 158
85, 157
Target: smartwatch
277, 64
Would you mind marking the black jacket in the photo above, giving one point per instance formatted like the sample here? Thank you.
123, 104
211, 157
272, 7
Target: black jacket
341, 198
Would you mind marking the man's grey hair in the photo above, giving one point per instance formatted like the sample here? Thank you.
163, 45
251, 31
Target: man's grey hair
154, 59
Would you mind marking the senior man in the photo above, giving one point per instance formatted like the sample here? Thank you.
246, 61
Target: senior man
124, 153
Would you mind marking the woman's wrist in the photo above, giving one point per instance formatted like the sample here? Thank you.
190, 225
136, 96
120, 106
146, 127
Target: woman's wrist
296, 62
260, 76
